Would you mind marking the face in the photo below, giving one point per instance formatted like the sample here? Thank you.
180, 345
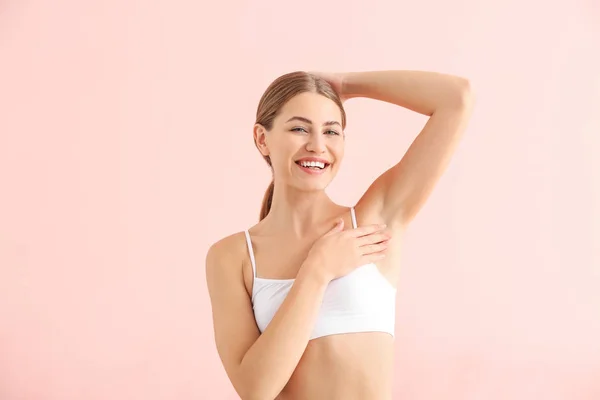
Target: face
306, 142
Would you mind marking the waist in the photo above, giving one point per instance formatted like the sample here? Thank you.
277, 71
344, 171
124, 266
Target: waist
354, 366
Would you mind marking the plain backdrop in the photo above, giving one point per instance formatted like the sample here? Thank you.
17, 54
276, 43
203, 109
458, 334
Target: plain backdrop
126, 150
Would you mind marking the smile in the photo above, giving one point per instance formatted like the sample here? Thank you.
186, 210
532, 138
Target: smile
312, 164
313, 167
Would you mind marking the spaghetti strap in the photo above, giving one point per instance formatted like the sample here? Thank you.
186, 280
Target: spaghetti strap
354, 224
251, 252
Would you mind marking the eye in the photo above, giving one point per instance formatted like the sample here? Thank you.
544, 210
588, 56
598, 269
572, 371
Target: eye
297, 129
330, 132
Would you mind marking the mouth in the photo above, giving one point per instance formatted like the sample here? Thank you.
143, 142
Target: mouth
313, 167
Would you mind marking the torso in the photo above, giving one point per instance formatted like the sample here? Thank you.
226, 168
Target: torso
348, 365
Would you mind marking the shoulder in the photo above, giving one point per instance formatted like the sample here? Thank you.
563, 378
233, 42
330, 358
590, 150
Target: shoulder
227, 247
225, 258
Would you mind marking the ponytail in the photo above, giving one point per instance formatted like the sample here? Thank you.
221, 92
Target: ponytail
267, 200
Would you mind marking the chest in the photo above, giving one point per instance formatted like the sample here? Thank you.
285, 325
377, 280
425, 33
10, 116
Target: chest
281, 259
361, 301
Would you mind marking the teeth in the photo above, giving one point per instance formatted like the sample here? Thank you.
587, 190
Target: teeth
316, 164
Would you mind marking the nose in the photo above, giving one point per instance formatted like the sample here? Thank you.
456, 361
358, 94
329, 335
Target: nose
316, 143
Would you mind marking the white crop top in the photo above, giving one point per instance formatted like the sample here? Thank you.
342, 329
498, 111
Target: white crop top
361, 301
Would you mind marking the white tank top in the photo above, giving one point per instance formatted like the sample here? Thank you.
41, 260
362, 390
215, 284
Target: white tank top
361, 301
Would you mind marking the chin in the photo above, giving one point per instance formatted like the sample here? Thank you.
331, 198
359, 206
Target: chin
312, 180
314, 186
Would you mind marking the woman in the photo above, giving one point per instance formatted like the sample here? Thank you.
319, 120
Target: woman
304, 301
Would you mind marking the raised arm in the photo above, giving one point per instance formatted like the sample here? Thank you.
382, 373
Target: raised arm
400, 192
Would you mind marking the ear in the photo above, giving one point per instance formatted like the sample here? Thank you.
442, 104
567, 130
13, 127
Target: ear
260, 138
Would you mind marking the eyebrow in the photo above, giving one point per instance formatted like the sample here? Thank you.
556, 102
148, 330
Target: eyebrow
308, 121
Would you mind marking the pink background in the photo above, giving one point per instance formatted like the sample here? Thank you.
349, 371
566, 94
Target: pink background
126, 127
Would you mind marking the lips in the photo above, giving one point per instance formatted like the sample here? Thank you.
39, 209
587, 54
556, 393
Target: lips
313, 167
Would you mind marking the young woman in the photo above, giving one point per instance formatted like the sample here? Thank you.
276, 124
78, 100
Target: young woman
303, 302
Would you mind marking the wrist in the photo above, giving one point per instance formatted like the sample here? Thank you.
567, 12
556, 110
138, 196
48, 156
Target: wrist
349, 85
310, 271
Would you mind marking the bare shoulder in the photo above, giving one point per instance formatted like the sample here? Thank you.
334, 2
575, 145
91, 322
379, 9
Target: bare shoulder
235, 328
227, 247
225, 258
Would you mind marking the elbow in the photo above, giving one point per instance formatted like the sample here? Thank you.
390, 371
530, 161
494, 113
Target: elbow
465, 95
458, 97
461, 99
257, 390
247, 395
256, 395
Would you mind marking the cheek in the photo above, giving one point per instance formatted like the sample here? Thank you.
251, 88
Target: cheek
338, 149
282, 152
287, 147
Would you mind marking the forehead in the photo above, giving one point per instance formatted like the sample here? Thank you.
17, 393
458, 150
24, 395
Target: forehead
313, 106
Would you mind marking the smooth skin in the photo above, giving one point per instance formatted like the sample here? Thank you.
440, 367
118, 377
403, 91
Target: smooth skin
309, 238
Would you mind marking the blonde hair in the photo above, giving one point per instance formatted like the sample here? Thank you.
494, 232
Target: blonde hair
279, 92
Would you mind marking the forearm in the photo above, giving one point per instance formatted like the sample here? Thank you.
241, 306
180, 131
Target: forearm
420, 91
270, 362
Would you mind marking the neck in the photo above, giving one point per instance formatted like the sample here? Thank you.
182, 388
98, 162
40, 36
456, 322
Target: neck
298, 212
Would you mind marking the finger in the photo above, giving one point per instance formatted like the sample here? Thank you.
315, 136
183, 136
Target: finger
373, 248
366, 230
377, 237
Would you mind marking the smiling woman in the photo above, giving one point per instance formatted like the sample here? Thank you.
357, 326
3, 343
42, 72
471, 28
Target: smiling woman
293, 88
303, 307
